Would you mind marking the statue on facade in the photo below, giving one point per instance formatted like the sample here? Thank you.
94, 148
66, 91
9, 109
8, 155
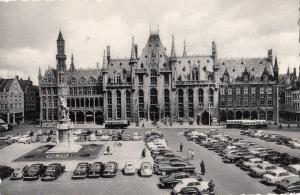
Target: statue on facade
64, 111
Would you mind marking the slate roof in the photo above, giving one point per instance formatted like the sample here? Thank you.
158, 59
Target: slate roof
5, 84
236, 67
24, 84
85, 73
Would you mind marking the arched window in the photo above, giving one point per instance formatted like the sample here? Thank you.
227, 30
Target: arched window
153, 77
210, 97
118, 78
195, 74
109, 105
119, 105
128, 104
141, 104
191, 102
167, 102
153, 96
200, 97
180, 104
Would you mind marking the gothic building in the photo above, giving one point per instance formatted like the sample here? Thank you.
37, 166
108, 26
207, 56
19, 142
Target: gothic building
158, 86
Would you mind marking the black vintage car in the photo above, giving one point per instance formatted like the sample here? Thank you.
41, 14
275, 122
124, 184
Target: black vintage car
174, 178
53, 171
34, 172
111, 169
5, 171
96, 169
81, 171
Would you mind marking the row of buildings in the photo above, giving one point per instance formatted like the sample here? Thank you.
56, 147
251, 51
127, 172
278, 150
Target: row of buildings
157, 86
19, 100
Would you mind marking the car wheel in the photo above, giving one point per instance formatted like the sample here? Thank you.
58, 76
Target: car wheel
163, 173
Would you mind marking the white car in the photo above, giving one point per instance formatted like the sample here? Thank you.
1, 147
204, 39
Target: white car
294, 144
261, 169
93, 137
129, 169
146, 169
190, 183
77, 132
295, 169
104, 138
136, 137
24, 139
277, 175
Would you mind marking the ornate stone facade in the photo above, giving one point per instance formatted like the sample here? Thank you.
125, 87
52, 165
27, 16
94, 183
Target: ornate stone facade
152, 86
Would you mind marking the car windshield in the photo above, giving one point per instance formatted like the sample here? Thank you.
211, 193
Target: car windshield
81, 168
50, 168
110, 165
273, 174
33, 168
146, 167
17, 169
129, 165
95, 166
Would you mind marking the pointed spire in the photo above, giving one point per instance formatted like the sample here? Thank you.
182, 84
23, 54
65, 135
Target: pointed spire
276, 63
40, 72
60, 36
97, 67
72, 67
184, 49
104, 60
173, 51
133, 53
288, 71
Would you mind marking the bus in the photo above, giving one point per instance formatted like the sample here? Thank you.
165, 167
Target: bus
246, 124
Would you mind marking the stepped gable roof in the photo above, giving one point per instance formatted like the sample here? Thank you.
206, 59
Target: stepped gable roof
85, 73
5, 84
236, 67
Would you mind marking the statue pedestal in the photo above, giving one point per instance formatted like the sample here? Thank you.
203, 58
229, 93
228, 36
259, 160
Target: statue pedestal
65, 141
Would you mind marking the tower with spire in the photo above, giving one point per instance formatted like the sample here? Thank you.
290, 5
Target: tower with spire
184, 49
276, 69
173, 51
72, 66
173, 61
60, 56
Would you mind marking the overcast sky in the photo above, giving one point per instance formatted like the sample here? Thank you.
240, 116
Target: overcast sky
247, 28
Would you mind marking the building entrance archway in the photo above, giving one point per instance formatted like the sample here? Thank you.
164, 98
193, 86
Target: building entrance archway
205, 118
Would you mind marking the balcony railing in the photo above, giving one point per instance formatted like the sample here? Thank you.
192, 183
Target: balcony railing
141, 71
165, 70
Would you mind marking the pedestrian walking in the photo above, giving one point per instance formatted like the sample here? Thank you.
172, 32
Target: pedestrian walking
144, 153
181, 146
192, 154
108, 149
202, 167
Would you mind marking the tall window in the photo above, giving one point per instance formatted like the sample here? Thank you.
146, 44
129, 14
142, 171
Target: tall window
191, 102
253, 101
200, 97
166, 78
141, 79
237, 91
167, 102
210, 97
119, 105
195, 74
118, 78
153, 77
253, 90
153, 96
229, 91
246, 90
270, 100
223, 103
238, 101
262, 101
229, 100
109, 105
180, 104
141, 104
246, 101
128, 104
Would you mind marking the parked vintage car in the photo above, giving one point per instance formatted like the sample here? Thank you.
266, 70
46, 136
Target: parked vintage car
129, 168
81, 170
174, 178
104, 138
276, 175
18, 172
34, 171
110, 169
5, 171
251, 162
295, 169
190, 185
166, 169
136, 137
146, 169
53, 171
25, 139
96, 169
289, 185
261, 169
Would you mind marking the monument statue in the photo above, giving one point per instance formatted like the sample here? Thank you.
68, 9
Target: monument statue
64, 110
65, 141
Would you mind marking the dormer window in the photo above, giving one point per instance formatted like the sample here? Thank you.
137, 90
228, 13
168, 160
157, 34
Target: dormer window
142, 65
